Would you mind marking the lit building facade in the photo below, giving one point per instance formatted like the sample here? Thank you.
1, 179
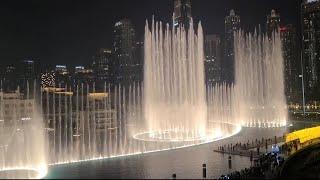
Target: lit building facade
291, 64
273, 23
48, 79
61, 69
310, 11
102, 64
83, 107
123, 52
213, 55
232, 24
62, 76
182, 13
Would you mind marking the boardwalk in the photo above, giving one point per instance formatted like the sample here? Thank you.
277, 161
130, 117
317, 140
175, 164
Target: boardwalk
253, 148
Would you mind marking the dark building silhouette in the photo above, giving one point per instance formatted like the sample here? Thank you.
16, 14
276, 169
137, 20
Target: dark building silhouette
28, 73
9, 81
102, 64
85, 75
232, 24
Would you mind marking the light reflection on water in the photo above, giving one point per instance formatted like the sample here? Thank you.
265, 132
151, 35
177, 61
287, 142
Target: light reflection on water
186, 162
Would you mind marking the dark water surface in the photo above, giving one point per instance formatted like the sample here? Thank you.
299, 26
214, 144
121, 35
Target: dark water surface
185, 162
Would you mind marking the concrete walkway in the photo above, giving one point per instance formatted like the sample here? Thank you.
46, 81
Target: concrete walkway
248, 149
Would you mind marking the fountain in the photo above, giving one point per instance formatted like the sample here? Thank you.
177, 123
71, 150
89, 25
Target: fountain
174, 88
168, 110
172, 108
259, 80
22, 137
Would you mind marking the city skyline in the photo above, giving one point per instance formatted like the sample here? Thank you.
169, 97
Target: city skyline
72, 33
160, 89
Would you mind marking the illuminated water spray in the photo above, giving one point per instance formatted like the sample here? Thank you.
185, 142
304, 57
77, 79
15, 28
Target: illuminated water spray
174, 88
22, 137
259, 80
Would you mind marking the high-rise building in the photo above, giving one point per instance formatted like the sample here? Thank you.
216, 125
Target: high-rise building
79, 69
213, 55
310, 17
182, 13
102, 66
232, 24
10, 78
27, 69
123, 52
15, 108
273, 23
28, 72
62, 76
85, 76
138, 61
291, 63
62, 69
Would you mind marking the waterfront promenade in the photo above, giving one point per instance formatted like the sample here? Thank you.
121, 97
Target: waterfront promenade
251, 149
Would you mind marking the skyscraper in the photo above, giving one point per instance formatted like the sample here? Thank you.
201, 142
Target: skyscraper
310, 20
10, 78
102, 66
85, 75
232, 24
182, 13
28, 71
213, 53
273, 22
62, 76
291, 63
123, 51
138, 61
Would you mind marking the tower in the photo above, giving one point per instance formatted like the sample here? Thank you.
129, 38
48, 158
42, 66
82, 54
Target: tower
273, 22
310, 21
182, 13
123, 52
232, 24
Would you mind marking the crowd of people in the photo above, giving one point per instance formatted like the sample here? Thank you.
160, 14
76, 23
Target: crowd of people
249, 145
268, 166
289, 148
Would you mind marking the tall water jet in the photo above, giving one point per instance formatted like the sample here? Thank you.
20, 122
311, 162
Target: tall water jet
259, 80
22, 137
174, 88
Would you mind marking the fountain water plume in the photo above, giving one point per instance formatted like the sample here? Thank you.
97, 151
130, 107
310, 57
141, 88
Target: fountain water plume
171, 109
174, 88
260, 80
23, 144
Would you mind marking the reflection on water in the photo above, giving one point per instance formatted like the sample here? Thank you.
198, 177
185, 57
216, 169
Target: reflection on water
186, 162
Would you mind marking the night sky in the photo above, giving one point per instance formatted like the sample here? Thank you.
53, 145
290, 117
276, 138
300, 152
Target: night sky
70, 31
